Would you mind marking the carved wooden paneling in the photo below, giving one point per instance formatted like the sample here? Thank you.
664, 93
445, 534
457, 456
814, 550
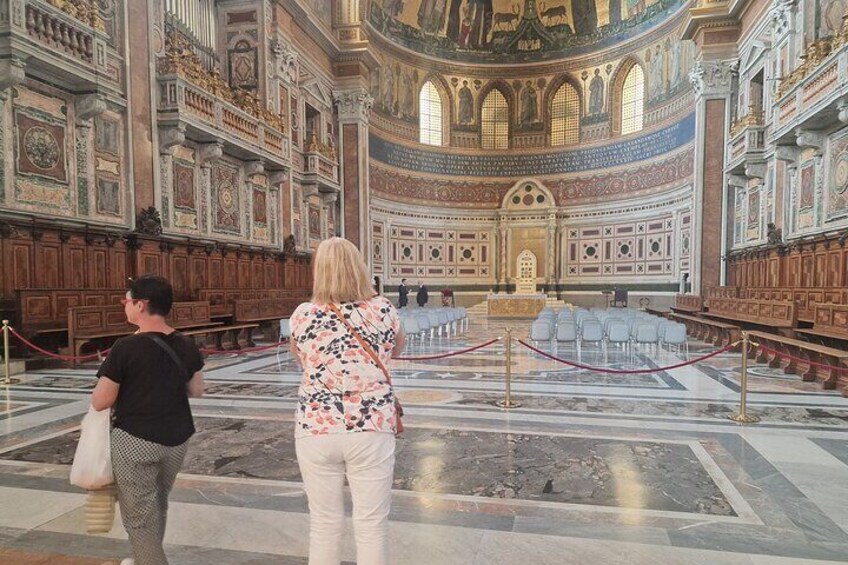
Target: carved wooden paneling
775, 313
198, 273
231, 273
216, 272
179, 275
43, 309
22, 273
47, 266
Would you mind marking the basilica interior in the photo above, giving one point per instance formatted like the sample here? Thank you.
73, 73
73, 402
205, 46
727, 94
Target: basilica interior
547, 169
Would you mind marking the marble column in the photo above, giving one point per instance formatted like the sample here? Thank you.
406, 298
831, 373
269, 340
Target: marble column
142, 106
713, 82
550, 252
504, 259
354, 107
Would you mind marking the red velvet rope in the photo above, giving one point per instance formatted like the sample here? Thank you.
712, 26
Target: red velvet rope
31, 345
449, 354
621, 371
799, 359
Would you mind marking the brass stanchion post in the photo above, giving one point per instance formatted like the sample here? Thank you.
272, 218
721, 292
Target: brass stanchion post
7, 371
508, 402
743, 417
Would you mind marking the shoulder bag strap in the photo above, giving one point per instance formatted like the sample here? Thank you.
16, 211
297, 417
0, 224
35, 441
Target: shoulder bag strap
171, 353
362, 343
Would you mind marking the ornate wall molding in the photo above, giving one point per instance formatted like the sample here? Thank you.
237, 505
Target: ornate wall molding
353, 105
713, 78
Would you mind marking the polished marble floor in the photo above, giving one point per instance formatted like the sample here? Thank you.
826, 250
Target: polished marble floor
591, 468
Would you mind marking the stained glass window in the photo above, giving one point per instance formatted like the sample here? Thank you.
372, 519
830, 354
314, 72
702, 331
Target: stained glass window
633, 100
494, 125
565, 116
430, 114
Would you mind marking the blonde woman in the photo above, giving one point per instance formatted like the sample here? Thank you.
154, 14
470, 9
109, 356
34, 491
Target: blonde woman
346, 415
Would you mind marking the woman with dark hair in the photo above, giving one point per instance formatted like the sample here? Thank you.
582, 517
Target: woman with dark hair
147, 379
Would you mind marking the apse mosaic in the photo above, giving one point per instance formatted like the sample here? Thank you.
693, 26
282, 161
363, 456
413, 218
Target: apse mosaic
500, 31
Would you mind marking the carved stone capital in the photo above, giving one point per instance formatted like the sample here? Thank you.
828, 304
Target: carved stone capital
310, 190
737, 181
208, 153
780, 14
278, 177
171, 137
713, 78
842, 108
353, 104
329, 198
787, 153
89, 106
254, 168
810, 139
12, 72
285, 58
755, 170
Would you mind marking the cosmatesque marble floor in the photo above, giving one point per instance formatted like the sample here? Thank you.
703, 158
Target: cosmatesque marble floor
591, 468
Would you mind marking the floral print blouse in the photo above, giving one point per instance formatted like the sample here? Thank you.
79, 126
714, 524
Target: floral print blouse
342, 389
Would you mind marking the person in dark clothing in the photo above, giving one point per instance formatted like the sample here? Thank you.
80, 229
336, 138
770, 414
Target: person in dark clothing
403, 294
148, 378
422, 296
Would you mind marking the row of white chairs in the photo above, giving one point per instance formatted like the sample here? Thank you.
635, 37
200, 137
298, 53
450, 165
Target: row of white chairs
423, 322
619, 326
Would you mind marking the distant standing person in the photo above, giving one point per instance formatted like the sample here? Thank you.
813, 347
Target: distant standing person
403, 294
422, 297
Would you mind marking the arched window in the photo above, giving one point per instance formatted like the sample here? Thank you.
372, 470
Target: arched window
430, 114
565, 116
632, 100
494, 122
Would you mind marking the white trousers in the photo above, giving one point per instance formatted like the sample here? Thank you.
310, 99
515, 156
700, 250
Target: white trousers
368, 461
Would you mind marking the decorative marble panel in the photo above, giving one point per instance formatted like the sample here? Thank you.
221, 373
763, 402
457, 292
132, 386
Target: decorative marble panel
40, 146
423, 252
226, 201
753, 232
837, 183
108, 197
806, 195
643, 248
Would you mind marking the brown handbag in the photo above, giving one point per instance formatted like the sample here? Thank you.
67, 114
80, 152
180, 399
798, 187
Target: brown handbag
374, 357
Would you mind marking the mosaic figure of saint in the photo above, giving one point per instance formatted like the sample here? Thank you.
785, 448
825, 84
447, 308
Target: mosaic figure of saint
389, 91
585, 16
596, 93
529, 105
455, 17
466, 104
431, 15
481, 14
394, 8
675, 65
614, 12
657, 85
408, 103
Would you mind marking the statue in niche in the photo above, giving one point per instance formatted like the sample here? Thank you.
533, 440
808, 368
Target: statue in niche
431, 15
774, 234
466, 104
585, 16
596, 93
529, 104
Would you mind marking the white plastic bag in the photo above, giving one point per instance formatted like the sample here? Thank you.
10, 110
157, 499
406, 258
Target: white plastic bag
92, 468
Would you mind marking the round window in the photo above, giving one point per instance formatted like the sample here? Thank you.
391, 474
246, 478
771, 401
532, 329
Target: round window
528, 188
516, 199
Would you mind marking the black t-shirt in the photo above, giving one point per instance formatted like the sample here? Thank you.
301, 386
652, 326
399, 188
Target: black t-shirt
152, 400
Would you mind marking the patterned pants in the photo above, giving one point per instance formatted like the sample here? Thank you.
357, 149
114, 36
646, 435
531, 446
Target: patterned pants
144, 474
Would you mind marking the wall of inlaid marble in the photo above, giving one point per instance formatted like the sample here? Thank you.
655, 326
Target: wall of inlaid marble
218, 198
62, 155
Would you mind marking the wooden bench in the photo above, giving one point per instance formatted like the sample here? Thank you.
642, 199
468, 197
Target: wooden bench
222, 300
45, 310
710, 331
689, 303
809, 354
263, 311
806, 299
830, 324
777, 314
88, 323
722, 292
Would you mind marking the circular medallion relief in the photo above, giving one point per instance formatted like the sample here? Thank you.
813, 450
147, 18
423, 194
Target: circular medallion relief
226, 197
528, 199
840, 173
41, 148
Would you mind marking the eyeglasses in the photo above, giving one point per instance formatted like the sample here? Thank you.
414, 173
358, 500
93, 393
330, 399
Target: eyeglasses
125, 301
